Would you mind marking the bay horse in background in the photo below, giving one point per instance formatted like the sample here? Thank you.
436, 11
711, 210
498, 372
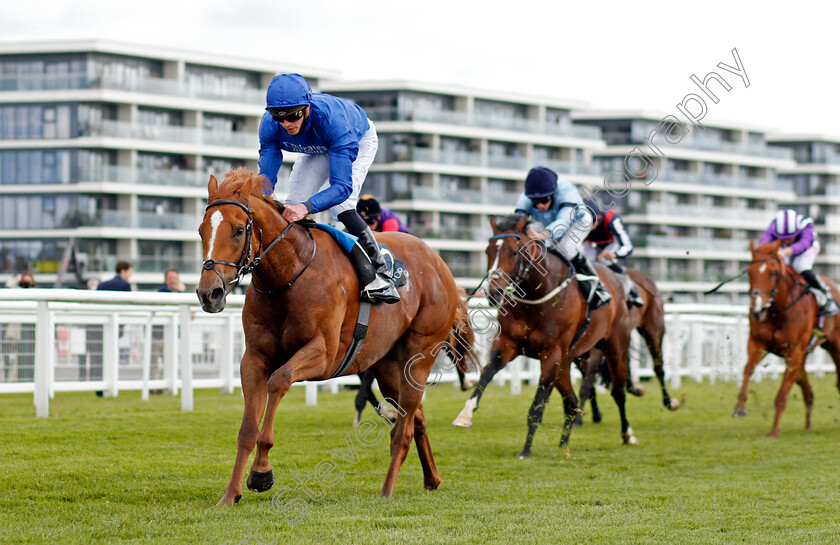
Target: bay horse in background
300, 322
784, 322
649, 321
544, 321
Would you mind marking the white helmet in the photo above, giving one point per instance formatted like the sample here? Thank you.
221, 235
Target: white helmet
786, 224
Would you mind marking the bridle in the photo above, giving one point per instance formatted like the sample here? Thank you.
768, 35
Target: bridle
771, 295
246, 265
519, 272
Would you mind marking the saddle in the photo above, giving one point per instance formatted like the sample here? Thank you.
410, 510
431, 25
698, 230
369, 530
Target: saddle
396, 269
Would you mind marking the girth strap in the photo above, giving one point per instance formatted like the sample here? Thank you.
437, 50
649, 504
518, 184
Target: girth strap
358, 338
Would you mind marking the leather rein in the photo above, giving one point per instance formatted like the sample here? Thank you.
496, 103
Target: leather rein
246, 265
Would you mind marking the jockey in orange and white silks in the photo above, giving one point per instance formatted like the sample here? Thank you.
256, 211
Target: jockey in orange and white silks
337, 143
557, 208
799, 249
607, 243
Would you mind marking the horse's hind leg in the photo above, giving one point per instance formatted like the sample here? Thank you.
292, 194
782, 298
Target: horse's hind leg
794, 366
535, 413
653, 333
563, 383
588, 368
755, 353
364, 395
387, 373
500, 354
254, 387
616, 355
807, 395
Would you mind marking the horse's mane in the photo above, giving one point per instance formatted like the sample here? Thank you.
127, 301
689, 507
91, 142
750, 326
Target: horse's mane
509, 222
236, 180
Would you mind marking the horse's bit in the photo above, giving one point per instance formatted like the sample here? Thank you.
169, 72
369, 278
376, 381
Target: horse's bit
246, 265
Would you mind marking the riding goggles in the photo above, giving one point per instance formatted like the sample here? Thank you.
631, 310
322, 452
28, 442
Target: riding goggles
281, 115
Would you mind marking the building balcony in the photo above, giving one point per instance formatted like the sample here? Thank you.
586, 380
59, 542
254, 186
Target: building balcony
471, 196
453, 233
461, 119
684, 210
466, 158
154, 86
696, 244
727, 181
166, 133
762, 150
130, 175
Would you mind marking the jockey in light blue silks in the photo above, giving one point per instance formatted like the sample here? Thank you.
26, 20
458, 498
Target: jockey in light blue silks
556, 205
337, 143
799, 250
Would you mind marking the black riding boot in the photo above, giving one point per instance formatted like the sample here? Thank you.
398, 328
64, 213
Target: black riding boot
381, 288
602, 296
631, 294
828, 306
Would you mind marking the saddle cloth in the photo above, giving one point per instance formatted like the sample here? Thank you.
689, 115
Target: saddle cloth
396, 269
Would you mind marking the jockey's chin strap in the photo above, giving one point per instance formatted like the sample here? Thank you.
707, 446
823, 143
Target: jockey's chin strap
246, 265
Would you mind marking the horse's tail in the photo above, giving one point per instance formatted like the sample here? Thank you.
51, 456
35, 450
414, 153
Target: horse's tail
461, 341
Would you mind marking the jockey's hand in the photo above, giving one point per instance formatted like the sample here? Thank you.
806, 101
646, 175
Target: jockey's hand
786, 251
537, 235
606, 255
294, 212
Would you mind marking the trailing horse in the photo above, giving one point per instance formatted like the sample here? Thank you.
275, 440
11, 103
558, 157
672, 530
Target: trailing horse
784, 322
649, 321
544, 320
300, 314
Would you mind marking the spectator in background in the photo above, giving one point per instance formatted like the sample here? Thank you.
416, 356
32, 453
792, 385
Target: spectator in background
119, 282
172, 281
92, 283
24, 280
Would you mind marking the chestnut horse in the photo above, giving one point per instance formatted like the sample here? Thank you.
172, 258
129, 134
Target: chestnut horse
543, 321
649, 321
300, 314
783, 321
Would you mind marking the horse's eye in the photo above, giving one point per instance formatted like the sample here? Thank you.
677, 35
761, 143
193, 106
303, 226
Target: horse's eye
239, 231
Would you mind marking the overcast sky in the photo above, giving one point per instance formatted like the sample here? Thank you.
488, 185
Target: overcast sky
631, 55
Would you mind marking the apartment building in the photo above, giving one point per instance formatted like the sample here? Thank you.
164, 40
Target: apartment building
451, 157
107, 148
816, 186
692, 214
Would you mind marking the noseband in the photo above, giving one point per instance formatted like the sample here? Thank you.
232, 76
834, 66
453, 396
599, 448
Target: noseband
246, 265
519, 272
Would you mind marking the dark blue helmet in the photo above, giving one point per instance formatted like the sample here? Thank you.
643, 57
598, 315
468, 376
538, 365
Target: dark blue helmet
540, 182
287, 91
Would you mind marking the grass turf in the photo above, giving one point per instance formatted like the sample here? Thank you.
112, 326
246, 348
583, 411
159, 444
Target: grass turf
124, 471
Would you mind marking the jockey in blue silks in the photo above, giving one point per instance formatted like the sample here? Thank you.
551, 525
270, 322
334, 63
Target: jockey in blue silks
556, 205
799, 249
337, 143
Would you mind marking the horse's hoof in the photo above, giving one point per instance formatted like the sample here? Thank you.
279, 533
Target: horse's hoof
629, 439
674, 404
260, 482
229, 501
463, 421
596, 418
525, 454
356, 420
432, 485
737, 413
388, 412
467, 386
637, 391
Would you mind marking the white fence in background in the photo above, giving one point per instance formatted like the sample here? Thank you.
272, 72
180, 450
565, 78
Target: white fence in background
72, 340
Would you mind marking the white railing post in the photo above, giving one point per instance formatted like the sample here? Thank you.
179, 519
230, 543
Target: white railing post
515, 367
170, 355
43, 356
675, 352
147, 358
111, 354
186, 359
311, 394
226, 354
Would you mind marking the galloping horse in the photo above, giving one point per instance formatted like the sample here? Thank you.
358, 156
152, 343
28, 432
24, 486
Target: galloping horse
300, 314
649, 321
543, 322
783, 321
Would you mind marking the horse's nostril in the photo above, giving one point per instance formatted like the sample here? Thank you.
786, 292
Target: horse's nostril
217, 294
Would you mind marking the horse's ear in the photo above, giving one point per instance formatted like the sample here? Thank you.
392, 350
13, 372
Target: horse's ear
212, 186
493, 225
752, 246
776, 244
520, 225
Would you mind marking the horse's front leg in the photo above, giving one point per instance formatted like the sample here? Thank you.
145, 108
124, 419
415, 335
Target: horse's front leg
501, 353
535, 413
254, 378
794, 366
307, 363
755, 353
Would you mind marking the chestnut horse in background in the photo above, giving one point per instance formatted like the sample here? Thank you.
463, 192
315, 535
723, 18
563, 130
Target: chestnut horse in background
543, 322
783, 321
649, 321
300, 321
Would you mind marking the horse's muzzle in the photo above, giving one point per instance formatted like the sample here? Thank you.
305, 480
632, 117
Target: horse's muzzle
212, 299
